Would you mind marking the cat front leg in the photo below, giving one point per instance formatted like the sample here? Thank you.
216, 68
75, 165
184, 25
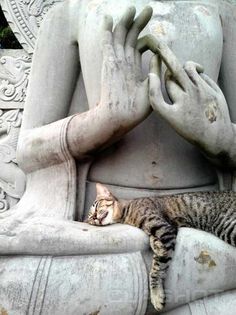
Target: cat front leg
157, 293
160, 263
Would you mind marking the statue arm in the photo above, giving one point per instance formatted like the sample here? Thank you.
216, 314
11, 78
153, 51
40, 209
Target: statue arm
227, 77
199, 111
124, 96
54, 70
124, 99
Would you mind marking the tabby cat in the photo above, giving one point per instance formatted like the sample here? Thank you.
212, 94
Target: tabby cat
159, 217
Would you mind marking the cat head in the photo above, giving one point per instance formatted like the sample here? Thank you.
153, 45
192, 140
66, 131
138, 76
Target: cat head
106, 209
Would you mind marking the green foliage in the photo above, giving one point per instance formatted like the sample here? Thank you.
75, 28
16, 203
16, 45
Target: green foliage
7, 38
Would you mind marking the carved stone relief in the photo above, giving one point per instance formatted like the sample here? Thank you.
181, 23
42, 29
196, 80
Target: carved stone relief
14, 72
24, 17
12, 179
4, 205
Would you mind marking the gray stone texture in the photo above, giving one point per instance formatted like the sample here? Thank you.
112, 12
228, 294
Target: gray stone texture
51, 263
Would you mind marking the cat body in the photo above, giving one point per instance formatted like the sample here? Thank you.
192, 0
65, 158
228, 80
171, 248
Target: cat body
161, 216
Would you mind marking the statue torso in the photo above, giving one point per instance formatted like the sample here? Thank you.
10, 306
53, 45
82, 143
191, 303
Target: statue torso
152, 156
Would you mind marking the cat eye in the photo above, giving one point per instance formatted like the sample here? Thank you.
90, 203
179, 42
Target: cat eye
109, 203
94, 205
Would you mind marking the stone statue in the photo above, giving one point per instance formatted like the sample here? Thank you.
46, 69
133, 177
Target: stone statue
12, 179
88, 118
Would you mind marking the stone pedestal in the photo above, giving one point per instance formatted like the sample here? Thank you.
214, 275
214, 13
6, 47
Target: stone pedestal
92, 284
111, 276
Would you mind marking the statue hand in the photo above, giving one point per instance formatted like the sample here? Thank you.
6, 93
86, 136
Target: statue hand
124, 95
199, 111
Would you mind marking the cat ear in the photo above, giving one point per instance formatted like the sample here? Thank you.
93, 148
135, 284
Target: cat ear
102, 190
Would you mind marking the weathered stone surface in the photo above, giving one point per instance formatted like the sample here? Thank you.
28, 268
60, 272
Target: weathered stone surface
14, 73
50, 263
74, 284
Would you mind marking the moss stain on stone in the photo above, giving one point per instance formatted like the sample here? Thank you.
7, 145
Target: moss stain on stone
204, 258
95, 313
3, 311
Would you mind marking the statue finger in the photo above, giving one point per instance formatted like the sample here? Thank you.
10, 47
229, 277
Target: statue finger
107, 38
122, 27
120, 33
138, 65
210, 83
173, 89
150, 42
138, 25
155, 65
107, 24
138, 60
109, 65
156, 97
193, 70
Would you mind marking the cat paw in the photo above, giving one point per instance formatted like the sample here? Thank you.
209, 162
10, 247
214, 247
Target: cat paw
158, 298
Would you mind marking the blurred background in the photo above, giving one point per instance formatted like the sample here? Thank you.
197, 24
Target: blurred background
7, 38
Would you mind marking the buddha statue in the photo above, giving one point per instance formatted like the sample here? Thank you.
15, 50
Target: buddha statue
100, 108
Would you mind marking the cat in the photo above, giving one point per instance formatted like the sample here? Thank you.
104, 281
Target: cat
161, 216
